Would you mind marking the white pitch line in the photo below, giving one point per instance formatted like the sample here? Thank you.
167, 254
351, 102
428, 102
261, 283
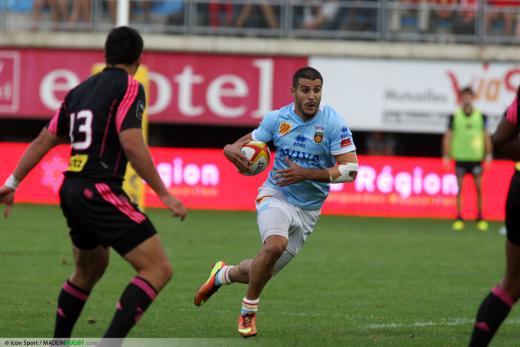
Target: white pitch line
447, 322
453, 322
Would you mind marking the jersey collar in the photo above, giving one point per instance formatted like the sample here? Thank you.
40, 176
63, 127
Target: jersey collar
299, 120
113, 68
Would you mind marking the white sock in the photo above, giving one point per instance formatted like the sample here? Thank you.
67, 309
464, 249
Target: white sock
249, 305
223, 275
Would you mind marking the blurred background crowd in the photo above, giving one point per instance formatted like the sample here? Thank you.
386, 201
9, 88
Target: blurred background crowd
474, 21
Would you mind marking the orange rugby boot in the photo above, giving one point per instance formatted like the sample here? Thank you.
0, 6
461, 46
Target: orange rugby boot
209, 288
247, 324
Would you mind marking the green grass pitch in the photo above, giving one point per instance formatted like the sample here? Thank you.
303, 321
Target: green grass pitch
357, 282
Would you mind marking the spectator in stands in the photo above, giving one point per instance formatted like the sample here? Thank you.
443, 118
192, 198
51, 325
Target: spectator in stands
220, 13
81, 11
378, 143
59, 10
173, 11
141, 9
501, 19
323, 16
410, 14
112, 8
244, 17
359, 16
146, 7
443, 16
465, 23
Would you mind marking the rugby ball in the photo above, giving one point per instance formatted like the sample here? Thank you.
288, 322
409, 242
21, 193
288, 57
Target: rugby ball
259, 155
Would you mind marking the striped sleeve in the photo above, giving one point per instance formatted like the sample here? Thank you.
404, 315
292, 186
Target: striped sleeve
58, 125
512, 112
130, 111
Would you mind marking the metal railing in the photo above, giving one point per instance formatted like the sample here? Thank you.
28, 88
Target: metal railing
379, 20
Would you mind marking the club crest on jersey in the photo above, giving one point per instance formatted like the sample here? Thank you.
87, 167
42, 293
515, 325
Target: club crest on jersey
284, 128
318, 134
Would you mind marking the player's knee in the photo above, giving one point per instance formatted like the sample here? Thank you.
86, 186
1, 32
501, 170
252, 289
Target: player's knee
86, 277
511, 285
164, 271
274, 248
244, 274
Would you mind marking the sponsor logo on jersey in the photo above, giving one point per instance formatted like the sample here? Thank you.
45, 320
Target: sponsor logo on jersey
77, 162
300, 141
284, 128
318, 134
346, 142
295, 154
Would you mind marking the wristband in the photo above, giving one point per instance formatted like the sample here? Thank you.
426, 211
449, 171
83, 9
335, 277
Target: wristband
12, 182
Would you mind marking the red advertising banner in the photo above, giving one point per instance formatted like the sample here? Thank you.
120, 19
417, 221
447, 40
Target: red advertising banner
184, 88
418, 187
204, 179
9, 81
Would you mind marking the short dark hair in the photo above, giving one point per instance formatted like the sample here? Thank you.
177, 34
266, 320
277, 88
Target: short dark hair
308, 73
124, 45
466, 90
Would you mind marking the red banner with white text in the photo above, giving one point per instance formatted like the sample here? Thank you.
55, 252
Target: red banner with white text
204, 179
184, 87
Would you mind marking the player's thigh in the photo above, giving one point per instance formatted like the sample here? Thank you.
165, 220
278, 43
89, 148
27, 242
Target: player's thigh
512, 208
299, 232
90, 262
273, 217
149, 256
477, 170
461, 170
511, 281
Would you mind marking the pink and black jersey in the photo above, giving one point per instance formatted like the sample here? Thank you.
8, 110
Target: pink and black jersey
511, 113
92, 116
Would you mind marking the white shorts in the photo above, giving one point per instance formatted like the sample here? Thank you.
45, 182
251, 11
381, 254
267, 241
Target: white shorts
275, 216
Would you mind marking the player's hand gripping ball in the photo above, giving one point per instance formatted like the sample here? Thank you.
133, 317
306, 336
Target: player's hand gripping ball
259, 155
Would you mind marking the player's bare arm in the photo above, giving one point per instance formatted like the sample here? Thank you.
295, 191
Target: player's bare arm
138, 154
295, 173
233, 154
31, 157
506, 139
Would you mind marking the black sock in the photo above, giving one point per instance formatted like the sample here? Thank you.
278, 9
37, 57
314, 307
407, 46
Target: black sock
492, 312
136, 298
70, 303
